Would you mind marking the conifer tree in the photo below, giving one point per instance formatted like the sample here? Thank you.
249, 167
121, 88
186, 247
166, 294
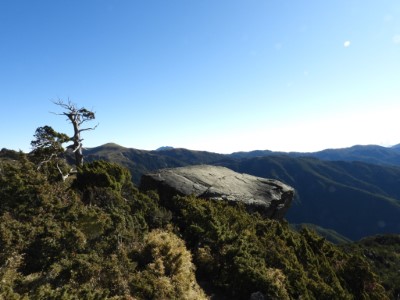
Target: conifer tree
48, 143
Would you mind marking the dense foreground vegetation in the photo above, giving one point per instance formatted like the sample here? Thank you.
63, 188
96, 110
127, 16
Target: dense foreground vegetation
383, 252
349, 197
95, 236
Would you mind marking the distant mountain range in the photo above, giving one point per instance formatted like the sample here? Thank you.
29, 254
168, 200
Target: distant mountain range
353, 198
354, 191
370, 154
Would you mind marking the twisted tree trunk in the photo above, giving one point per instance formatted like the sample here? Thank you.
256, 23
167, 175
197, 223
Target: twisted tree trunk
77, 117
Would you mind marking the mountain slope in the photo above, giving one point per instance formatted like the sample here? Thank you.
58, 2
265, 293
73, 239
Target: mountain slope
382, 251
140, 161
95, 236
396, 147
372, 154
355, 199
328, 234
352, 198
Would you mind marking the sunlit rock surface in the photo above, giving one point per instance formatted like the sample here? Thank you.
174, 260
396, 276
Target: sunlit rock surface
269, 197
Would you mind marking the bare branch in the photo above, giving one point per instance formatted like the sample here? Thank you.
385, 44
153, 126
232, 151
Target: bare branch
68, 106
77, 147
77, 116
91, 128
64, 177
46, 161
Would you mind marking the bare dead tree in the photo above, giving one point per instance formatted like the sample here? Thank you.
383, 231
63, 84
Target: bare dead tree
77, 116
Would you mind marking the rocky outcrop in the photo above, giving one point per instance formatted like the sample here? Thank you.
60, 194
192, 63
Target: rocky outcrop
271, 198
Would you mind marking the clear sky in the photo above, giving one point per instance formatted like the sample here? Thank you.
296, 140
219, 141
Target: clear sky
222, 76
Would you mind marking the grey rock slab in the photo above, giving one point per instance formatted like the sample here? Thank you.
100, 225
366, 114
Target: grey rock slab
271, 198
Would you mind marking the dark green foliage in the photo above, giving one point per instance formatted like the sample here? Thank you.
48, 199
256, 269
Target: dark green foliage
351, 198
54, 245
103, 183
6, 154
98, 237
48, 153
329, 234
240, 254
107, 184
19, 184
383, 252
103, 174
48, 142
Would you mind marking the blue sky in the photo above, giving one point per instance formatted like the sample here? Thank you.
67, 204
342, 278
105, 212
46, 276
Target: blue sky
221, 76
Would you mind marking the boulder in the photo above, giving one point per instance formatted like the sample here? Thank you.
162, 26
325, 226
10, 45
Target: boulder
271, 198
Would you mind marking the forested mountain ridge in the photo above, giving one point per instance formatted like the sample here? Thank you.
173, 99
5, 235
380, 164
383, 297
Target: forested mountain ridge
74, 226
354, 198
372, 154
95, 236
140, 162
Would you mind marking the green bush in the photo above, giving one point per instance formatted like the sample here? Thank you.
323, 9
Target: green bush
240, 254
382, 251
104, 175
100, 238
79, 241
167, 271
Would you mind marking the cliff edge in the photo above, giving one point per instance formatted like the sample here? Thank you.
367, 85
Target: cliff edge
269, 197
